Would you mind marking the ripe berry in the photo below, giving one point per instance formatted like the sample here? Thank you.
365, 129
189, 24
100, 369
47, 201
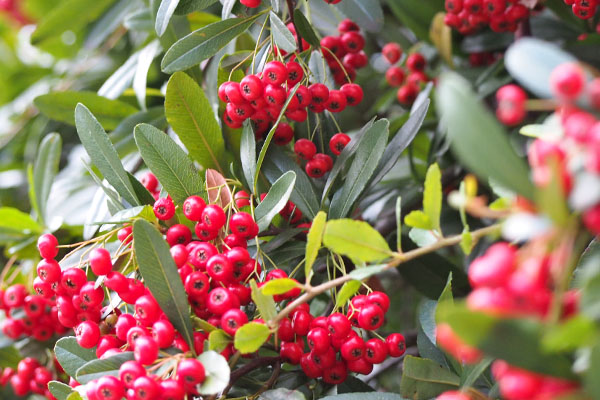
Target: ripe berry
222, 92
416, 62
220, 300
213, 217
375, 351
149, 181
305, 149
381, 299
146, 388
309, 367
193, 207
337, 101
190, 372
219, 268
72, 280
301, 322
567, 81
47, 245
394, 76
242, 224
336, 374
338, 142
316, 168
338, 325
87, 334
392, 52
274, 73
353, 348
100, 261
48, 270
90, 295
353, 92
407, 94
326, 159
147, 310
396, 344
318, 340
319, 93
145, 350
130, 371
124, 235
295, 73
284, 134
291, 352
370, 317
275, 95
205, 233
239, 111
511, 104
179, 234
164, 209
352, 41
360, 366
180, 255
201, 253
453, 395
251, 87
171, 390
232, 319
109, 388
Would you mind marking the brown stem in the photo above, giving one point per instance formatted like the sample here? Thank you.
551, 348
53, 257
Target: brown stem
523, 29
291, 5
252, 365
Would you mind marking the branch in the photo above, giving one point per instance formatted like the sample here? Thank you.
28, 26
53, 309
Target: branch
251, 366
399, 259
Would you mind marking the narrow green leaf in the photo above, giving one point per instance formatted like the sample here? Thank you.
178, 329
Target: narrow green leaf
432, 196
497, 159
356, 239
281, 34
44, 172
362, 273
275, 201
98, 368
278, 286
314, 238
141, 192
71, 356
164, 14
574, 333
472, 372
423, 379
368, 14
189, 6
199, 323
348, 290
103, 154
590, 378
140, 79
217, 373
161, 276
249, 337
60, 106
204, 43
365, 162
264, 303
60, 390
171, 165
466, 241
218, 340
191, 116
418, 219
305, 29
248, 154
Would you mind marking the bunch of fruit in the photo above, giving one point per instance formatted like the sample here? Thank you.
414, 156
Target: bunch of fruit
583, 9
469, 16
406, 79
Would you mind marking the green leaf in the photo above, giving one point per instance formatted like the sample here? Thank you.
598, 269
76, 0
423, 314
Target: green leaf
190, 115
164, 14
218, 340
348, 290
60, 106
314, 238
368, 14
199, 323
590, 377
189, 6
364, 396
305, 29
466, 241
60, 390
217, 373
161, 276
278, 286
44, 172
71, 355
249, 337
399, 224
304, 194
103, 154
362, 273
578, 331
141, 192
490, 334
368, 154
472, 372
497, 159
281, 34
17, 222
204, 43
418, 219
432, 196
416, 15
9, 357
98, 368
70, 15
248, 154
264, 303
171, 165
423, 379
356, 239
275, 200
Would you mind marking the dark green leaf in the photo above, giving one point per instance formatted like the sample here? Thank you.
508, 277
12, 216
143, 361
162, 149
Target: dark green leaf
141, 192
161, 276
305, 29
275, 201
189, 6
249, 337
281, 34
71, 356
368, 14
248, 154
497, 159
60, 106
171, 165
164, 14
356, 239
44, 172
204, 43
365, 162
103, 154
423, 379
98, 368
191, 116
472, 372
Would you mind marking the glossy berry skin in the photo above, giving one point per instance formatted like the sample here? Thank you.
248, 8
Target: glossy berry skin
232, 320
338, 142
301, 322
305, 149
124, 235
163, 333
234, 93
171, 390
164, 209
291, 352
318, 340
352, 41
326, 158
283, 134
370, 317
360, 366
130, 371
100, 261
251, 87
337, 101
213, 217
353, 348
295, 73
338, 325
47, 245
179, 234
149, 181
511, 104
407, 94
319, 93
392, 52
415, 62
275, 73
197, 285
394, 76
109, 388
376, 351
87, 334
453, 395
71, 280
145, 350
336, 374
353, 92
146, 388
220, 300
251, 3
309, 367
190, 372
219, 268
380, 299
193, 207
396, 344
567, 81
242, 224
48, 270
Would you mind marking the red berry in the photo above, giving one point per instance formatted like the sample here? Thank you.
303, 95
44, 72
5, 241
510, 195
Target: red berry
394, 76
338, 142
353, 92
336, 374
381, 299
130, 371
291, 352
164, 209
305, 149
274, 73
219, 268
124, 235
90, 295
100, 261
205, 233
87, 334
284, 134
319, 93
149, 181
48, 270
353, 348
407, 94
275, 95
251, 87
453, 395
242, 224
511, 104
47, 245
396, 344
360, 366
179, 234
295, 73
234, 93
239, 112
220, 300
213, 217
147, 310
190, 372
200, 253
352, 41
145, 350
337, 101
193, 207
392, 52
375, 351
146, 388
567, 81
339, 326
171, 390
370, 317
318, 340
301, 322
316, 168
72, 280
109, 388
180, 255
232, 319
164, 333
416, 62
310, 368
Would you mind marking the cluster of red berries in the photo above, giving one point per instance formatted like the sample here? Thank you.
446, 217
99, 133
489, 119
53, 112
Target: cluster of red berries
583, 9
318, 164
344, 53
333, 348
408, 79
151, 183
256, 3
468, 16
29, 378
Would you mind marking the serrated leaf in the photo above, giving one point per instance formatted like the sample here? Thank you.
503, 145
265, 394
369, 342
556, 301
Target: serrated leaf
160, 275
171, 165
60, 106
248, 154
98, 368
264, 303
44, 172
418, 219
204, 43
275, 201
497, 159
423, 379
278, 286
103, 154
190, 115
305, 29
356, 239
348, 290
250, 337
366, 160
217, 373
164, 14
314, 239
218, 340
281, 34
432, 195
71, 356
